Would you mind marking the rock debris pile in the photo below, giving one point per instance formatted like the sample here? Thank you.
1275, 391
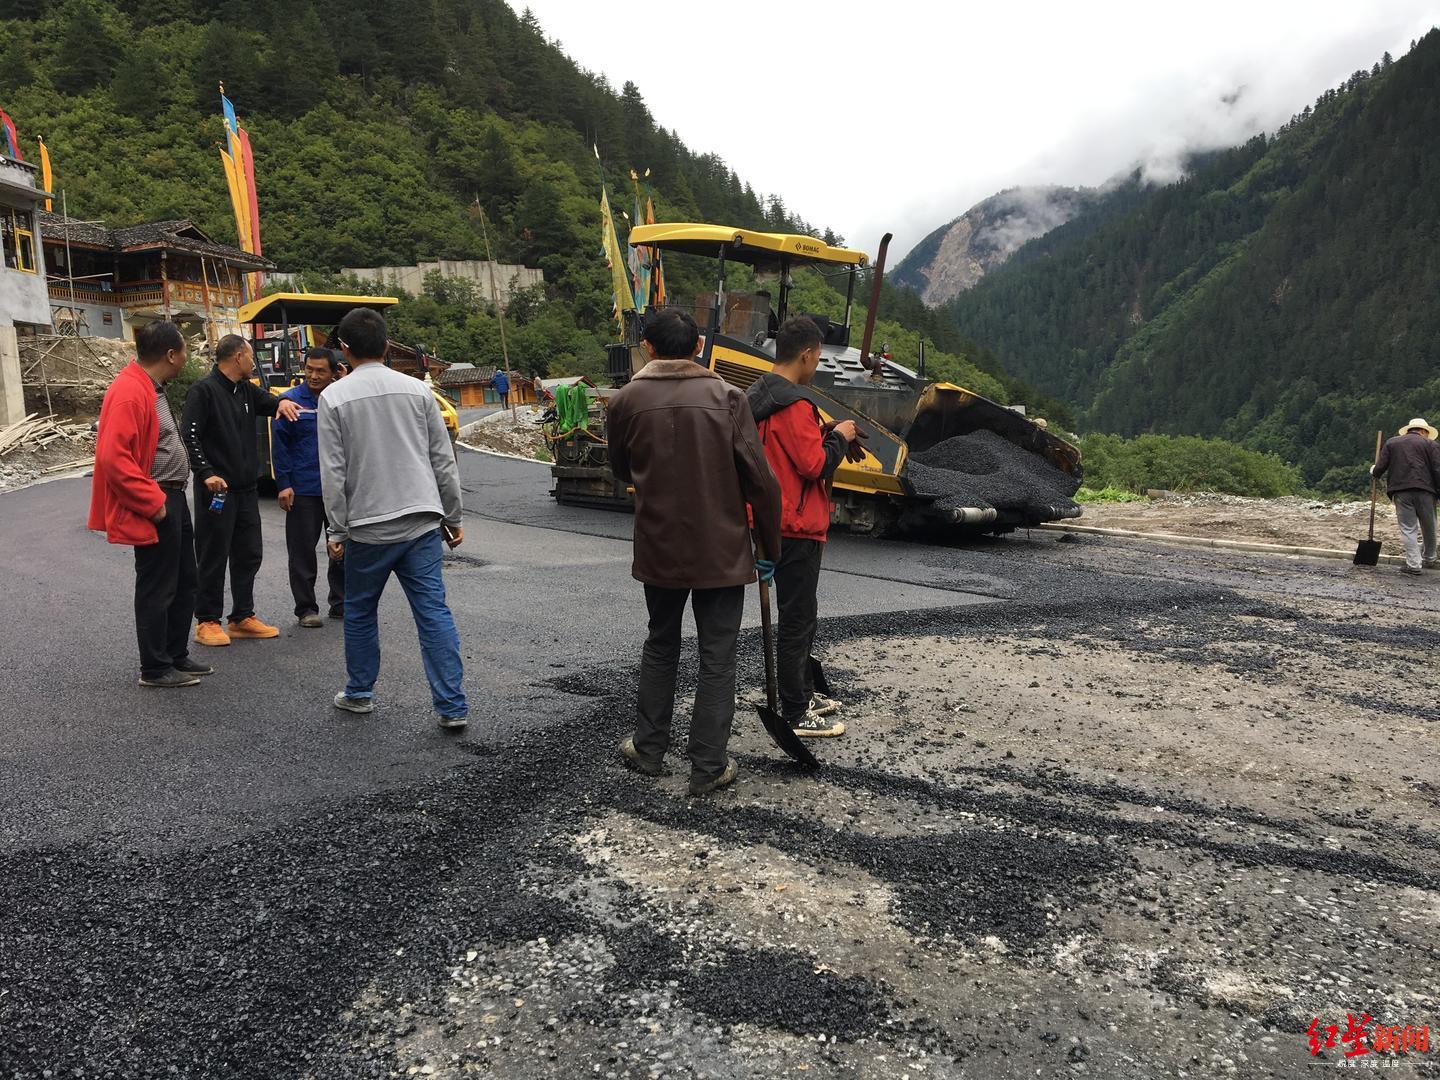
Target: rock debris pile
987, 471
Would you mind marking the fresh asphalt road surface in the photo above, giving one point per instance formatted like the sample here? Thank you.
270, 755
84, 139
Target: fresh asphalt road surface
538, 590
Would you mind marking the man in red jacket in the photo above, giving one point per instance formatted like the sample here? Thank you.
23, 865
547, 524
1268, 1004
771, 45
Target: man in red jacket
138, 498
803, 454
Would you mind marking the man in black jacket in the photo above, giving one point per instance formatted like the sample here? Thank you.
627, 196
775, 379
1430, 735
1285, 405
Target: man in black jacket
1411, 463
219, 429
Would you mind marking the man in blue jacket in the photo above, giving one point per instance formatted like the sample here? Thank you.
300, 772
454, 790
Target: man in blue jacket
295, 453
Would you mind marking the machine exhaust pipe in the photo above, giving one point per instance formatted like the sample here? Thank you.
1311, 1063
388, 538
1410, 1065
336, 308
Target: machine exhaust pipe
877, 365
973, 515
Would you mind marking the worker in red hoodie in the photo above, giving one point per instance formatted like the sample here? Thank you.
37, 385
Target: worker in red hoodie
138, 498
803, 453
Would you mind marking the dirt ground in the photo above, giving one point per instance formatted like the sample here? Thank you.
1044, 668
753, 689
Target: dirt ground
1153, 832
519, 435
1288, 521
22, 467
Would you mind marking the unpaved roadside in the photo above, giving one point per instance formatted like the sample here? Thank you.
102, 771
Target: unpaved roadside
1122, 840
1291, 521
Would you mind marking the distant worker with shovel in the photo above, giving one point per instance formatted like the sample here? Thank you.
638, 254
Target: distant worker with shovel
1410, 462
687, 442
803, 453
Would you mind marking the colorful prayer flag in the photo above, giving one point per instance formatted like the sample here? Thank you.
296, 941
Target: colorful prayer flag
11, 138
46, 179
251, 200
620, 283
237, 200
230, 120
657, 267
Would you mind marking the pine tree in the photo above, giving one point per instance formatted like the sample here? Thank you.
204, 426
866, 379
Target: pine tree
84, 56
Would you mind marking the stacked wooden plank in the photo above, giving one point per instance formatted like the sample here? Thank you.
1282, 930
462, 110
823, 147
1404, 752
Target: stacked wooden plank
36, 432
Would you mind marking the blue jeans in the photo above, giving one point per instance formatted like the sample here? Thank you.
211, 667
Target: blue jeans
417, 564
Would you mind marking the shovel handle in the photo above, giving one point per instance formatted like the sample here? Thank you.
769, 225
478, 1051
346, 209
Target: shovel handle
1374, 488
767, 632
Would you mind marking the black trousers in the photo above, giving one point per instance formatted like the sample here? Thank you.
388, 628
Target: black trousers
797, 576
230, 538
304, 526
165, 589
717, 619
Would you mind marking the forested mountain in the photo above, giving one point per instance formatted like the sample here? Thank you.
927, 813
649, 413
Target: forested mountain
379, 130
1283, 295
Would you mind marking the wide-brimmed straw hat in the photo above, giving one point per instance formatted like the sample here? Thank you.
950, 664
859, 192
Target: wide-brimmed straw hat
1419, 424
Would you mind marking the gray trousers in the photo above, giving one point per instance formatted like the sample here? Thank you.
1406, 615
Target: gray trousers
1415, 514
717, 621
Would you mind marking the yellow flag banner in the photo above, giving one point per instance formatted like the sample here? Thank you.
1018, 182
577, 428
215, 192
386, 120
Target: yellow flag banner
619, 279
238, 202
46, 178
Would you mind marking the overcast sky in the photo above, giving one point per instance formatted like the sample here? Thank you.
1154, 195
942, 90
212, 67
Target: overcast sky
900, 114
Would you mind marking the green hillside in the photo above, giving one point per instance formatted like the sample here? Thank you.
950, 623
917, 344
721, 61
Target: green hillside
379, 130
1283, 295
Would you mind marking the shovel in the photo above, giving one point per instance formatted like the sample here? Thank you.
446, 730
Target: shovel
783, 734
1367, 552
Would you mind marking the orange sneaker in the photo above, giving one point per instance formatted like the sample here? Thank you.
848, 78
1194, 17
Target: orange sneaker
251, 627
210, 633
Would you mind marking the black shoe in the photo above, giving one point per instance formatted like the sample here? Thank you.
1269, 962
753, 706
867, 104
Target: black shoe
454, 723
169, 680
704, 787
311, 620
191, 666
337, 613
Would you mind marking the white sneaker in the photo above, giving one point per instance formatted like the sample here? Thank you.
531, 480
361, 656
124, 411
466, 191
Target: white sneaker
816, 726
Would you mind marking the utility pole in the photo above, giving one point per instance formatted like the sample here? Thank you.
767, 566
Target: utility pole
499, 314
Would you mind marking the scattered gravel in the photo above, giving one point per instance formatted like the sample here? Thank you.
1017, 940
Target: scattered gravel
519, 435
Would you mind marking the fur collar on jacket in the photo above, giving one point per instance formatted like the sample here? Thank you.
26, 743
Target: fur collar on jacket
674, 369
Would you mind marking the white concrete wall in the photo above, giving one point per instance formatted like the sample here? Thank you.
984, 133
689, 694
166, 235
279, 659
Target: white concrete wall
94, 316
23, 297
411, 279
12, 396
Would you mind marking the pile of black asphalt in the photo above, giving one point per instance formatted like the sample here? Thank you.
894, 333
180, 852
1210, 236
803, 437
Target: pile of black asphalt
986, 471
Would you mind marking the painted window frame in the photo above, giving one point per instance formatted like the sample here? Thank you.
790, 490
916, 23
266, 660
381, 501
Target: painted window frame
19, 240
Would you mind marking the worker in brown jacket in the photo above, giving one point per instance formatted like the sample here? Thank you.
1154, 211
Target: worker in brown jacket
687, 442
1410, 463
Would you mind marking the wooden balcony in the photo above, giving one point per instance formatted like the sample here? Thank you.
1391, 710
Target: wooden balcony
83, 294
183, 294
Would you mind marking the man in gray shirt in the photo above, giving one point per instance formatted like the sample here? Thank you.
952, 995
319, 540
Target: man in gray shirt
138, 498
391, 489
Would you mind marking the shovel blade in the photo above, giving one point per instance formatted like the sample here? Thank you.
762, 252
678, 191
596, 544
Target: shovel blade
1367, 553
785, 737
